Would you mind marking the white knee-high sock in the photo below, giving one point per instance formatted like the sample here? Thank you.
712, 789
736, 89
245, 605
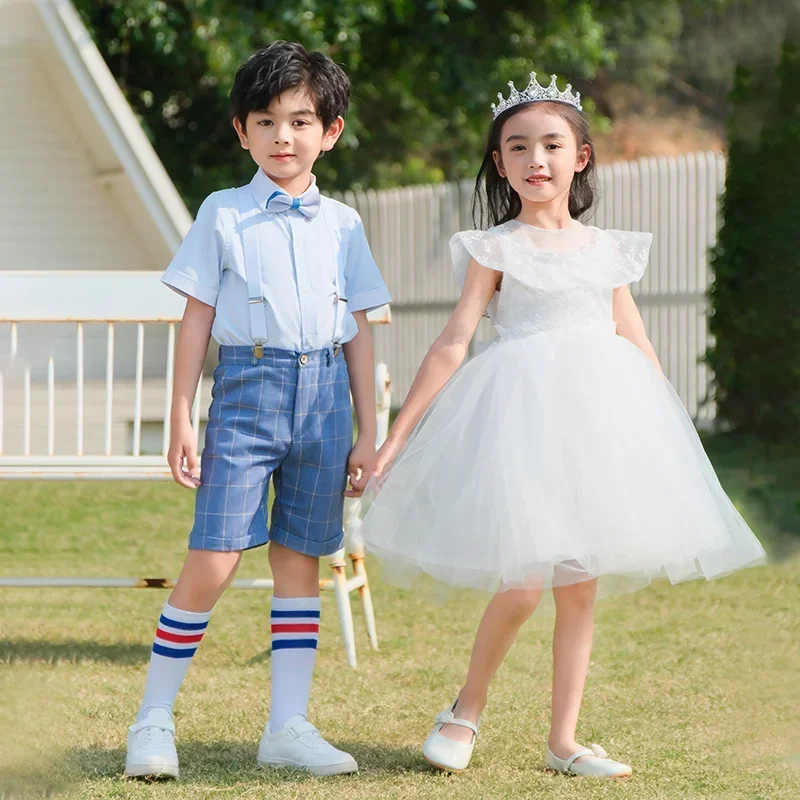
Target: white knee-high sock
177, 638
295, 632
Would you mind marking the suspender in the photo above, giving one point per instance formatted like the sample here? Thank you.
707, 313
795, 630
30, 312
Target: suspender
257, 301
337, 298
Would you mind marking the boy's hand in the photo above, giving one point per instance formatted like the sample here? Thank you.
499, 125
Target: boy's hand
359, 467
183, 445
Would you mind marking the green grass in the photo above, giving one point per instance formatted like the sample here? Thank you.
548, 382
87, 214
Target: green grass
694, 685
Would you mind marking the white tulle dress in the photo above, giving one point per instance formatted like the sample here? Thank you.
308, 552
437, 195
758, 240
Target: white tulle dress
559, 453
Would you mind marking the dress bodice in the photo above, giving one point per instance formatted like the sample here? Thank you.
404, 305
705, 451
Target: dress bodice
552, 278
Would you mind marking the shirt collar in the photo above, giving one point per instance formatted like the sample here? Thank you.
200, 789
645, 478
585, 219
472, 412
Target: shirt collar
263, 187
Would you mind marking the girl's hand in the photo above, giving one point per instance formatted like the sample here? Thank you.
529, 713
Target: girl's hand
386, 455
183, 446
359, 467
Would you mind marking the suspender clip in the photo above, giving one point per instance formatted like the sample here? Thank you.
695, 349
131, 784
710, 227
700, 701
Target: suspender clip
258, 350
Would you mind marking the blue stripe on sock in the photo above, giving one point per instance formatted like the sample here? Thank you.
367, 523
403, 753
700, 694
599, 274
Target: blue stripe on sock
288, 614
172, 652
184, 626
294, 644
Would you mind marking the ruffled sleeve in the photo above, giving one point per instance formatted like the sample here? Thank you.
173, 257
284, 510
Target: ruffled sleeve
631, 250
485, 248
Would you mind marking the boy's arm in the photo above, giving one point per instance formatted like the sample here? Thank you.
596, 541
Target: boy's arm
360, 357
193, 338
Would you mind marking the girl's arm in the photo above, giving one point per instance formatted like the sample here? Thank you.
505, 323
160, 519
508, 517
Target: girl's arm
444, 356
360, 357
630, 325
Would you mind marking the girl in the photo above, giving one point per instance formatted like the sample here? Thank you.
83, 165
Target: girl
558, 455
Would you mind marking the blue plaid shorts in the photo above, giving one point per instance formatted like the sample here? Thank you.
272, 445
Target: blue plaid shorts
286, 416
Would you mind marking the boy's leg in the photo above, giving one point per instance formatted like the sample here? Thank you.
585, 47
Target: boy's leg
204, 577
181, 626
289, 739
294, 626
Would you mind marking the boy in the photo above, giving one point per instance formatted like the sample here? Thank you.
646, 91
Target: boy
282, 278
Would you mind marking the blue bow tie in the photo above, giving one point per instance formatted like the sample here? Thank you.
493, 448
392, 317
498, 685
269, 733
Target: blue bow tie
307, 204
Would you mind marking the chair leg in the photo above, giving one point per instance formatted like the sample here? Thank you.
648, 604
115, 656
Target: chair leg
360, 568
345, 610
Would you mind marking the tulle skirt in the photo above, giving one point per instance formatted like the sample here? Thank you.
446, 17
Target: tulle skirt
560, 457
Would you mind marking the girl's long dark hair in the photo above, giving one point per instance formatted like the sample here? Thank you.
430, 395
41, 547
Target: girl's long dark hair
495, 202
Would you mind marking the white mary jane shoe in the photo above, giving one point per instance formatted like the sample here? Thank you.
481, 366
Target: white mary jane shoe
445, 753
598, 765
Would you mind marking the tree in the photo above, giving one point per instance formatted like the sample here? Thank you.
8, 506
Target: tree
423, 76
756, 290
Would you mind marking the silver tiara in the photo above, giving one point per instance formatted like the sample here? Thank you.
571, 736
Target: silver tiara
535, 92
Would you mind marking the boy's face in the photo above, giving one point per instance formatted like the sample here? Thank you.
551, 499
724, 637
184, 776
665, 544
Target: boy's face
539, 155
287, 137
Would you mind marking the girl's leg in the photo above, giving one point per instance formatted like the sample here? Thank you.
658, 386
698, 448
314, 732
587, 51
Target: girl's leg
182, 624
501, 621
572, 646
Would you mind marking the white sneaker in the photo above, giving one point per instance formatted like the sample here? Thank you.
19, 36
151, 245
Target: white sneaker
151, 747
298, 744
597, 764
448, 754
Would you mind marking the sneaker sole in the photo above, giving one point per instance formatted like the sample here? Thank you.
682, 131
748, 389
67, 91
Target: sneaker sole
152, 772
325, 771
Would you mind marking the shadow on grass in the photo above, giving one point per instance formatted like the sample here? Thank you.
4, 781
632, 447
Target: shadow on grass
226, 762
73, 652
260, 658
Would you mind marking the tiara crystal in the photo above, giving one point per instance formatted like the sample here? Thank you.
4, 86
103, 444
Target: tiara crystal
535, 92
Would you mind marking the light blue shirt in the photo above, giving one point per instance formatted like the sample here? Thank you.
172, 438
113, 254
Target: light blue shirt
298, 256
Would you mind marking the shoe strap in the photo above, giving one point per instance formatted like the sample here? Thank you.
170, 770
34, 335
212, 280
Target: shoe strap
302, 729
448, 718
148, 723
583, 751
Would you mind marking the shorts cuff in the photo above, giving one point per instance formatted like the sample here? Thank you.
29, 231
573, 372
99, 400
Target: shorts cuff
223, 545
305, 546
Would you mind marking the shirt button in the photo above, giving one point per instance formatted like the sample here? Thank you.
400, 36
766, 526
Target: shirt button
303, 359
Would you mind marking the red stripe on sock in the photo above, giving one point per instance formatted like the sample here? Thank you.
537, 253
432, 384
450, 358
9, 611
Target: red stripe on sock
180, 638
299, 627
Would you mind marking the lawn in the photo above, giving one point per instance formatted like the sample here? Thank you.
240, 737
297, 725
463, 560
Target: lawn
696, 686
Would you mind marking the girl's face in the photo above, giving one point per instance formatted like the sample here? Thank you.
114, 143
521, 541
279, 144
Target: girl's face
539, 155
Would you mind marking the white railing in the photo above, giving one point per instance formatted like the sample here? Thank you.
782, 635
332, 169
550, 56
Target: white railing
43, 301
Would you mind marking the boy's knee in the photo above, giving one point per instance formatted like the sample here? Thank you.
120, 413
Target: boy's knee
292, 571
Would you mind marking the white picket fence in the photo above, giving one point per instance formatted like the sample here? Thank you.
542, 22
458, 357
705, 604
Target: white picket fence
676, 199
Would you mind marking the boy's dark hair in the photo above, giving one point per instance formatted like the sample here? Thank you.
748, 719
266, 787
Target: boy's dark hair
286, 65
495, 202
